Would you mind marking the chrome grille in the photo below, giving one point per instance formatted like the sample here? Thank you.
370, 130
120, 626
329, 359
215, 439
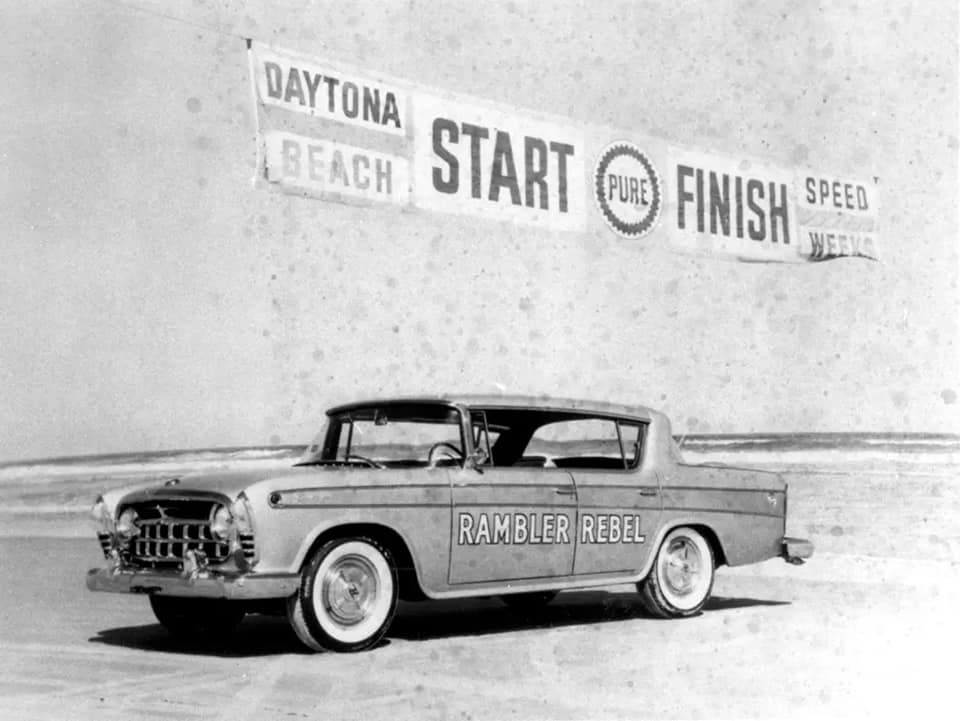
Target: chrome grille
170, 528
166, 541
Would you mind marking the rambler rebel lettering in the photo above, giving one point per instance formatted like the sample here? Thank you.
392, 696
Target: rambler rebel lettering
542, 163
545, 528
610, 528
332, 95
732, 205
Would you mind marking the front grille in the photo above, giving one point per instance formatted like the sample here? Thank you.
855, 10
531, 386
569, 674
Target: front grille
170, 528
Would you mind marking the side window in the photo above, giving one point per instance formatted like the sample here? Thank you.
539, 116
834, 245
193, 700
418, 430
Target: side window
631, 436
586, 443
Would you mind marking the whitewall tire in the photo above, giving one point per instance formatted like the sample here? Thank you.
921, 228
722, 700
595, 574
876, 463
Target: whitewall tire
347, 596
680, 582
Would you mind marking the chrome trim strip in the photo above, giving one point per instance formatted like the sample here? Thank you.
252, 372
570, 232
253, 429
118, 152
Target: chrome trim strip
687, 509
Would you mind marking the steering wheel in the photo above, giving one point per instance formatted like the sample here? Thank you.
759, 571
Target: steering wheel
371, 463
447, 448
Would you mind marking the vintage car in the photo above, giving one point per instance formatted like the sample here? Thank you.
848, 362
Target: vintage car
442, 498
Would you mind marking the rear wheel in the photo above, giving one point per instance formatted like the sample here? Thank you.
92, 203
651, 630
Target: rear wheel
681, 579
528, 601
347, 596
197, 617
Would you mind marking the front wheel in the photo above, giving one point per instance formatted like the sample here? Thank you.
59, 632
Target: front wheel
197, 617
681, 579
347, 596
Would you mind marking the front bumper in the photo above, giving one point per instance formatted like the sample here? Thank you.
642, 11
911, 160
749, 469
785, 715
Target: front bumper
795, 550
209, 584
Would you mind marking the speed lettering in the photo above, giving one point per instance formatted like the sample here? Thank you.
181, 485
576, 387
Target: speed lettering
732, 206
836, 194
526, 171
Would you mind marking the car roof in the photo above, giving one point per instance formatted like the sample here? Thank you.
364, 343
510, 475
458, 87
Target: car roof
542, 402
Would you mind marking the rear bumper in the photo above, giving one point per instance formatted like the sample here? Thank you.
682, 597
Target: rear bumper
209, 584
795, 550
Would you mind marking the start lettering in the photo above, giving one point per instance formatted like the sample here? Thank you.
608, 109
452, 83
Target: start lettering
542, 163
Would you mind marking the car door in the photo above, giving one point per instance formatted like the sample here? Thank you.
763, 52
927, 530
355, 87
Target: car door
619, 502
511, 523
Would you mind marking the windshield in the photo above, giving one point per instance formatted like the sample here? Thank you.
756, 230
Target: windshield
391, 435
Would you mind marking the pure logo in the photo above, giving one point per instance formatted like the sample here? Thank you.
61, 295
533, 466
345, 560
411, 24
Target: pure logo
627, 190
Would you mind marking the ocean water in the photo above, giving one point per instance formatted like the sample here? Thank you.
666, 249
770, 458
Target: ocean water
56, 485
824, 451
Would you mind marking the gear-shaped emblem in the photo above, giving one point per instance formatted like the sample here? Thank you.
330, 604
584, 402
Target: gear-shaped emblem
627, 190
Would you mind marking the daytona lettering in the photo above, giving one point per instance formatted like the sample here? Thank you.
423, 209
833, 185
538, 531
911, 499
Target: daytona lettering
545, 528
330, 94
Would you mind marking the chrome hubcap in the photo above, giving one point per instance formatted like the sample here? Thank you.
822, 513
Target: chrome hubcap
350, 590
683, 566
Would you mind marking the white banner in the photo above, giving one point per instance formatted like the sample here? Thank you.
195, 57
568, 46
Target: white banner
334, 132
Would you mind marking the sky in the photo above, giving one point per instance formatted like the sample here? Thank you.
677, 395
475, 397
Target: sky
152, 298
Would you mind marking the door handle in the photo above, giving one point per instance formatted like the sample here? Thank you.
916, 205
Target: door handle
565, 491
648, 491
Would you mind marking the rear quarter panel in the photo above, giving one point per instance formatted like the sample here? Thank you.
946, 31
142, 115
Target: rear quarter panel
744, 508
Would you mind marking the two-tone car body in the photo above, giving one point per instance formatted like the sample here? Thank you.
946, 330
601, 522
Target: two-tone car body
444, 497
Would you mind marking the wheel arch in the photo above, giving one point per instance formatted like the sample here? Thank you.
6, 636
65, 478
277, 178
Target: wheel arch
704, 529
407, 573
719, 556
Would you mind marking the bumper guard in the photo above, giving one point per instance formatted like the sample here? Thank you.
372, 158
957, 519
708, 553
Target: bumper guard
208, 584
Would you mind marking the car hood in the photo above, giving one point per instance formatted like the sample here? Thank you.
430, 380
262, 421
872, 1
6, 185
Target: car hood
225, 483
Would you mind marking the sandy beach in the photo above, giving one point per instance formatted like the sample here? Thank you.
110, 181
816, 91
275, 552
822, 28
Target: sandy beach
855, 631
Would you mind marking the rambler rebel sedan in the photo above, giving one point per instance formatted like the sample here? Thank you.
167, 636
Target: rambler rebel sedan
442, 498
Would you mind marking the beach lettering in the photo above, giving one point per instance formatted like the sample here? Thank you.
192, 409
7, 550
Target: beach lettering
319, 167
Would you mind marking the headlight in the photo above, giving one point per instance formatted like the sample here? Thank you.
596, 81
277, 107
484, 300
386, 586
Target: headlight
127, 525
222, 523
102, 518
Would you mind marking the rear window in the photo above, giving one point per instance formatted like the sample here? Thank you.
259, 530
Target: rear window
598, 443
